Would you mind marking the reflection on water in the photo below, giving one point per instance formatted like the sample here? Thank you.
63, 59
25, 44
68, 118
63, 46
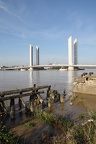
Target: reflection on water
76, 73
70, 80
31, 77
37, 77
57, 79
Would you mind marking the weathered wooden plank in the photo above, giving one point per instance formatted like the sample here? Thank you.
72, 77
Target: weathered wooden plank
20, 95
23, 102
23, 90
3, 108
12, 105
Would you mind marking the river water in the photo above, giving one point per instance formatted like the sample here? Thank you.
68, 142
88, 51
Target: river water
59, 80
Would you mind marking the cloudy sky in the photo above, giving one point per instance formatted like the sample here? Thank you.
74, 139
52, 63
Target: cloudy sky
48, 24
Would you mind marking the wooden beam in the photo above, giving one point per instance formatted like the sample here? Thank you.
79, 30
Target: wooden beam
23, 90
19, 95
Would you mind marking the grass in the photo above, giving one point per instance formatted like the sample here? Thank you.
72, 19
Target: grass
29, 124
7, 137
72, 133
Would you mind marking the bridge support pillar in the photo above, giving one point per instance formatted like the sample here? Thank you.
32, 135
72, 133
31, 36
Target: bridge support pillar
70, 68
31, 69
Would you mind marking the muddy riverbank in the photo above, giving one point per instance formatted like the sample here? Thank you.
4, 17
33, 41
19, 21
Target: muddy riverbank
86, 100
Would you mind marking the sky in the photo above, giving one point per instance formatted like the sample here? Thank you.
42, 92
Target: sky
48, 24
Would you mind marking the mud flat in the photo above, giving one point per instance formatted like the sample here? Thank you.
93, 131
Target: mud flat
84, 88
32, 131
86, 100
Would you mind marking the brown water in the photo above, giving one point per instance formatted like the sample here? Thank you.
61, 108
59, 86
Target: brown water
59, 80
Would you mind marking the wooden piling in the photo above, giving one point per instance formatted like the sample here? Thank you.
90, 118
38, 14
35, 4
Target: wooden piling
64, 93
31, 107
24, 104
48, 91
20, 93
12, 108
19, 104
49, 102
52, 96
33, 94
12, 105
62, 98
3, 108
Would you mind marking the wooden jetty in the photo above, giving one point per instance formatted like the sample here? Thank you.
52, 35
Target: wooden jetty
11, 95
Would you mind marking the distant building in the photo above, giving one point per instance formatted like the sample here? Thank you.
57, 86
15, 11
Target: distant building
75, 51
31, 55
37, 55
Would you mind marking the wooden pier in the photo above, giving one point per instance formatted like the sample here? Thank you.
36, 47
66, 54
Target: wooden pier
34, 94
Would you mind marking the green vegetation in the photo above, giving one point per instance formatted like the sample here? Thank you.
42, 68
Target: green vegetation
7, 137
29, 125
70, 132
59, 121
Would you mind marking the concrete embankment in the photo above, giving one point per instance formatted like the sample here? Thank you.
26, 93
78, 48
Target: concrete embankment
86, 84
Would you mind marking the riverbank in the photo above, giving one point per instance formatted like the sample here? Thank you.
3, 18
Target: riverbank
86, 100
47, 128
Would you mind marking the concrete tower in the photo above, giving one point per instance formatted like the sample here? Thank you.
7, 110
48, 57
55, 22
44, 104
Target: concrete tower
70, 53
31, 55
75, 51
37, 55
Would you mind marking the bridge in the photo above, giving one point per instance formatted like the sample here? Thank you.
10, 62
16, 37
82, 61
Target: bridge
48, 66
64, 65
70, 66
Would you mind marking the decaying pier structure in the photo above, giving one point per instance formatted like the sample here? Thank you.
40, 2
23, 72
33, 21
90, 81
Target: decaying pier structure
18, 94
34, 97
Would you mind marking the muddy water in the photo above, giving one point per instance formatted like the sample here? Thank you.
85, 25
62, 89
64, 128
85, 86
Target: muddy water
59, 80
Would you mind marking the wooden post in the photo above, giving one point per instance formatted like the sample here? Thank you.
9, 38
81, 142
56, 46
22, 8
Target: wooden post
48, 92
49, 102
52, 96
12, 108
19, 102
2, 106
31, 107
34, 86
64, 93
24, 104
61, 98
1, 109
32, 97
31, 101
12, 105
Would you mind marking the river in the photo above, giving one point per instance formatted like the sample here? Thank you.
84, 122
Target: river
59, 80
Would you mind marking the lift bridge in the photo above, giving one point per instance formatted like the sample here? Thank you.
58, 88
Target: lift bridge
49, 66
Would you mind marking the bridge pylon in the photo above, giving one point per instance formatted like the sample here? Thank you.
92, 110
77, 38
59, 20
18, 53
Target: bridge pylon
70, 68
